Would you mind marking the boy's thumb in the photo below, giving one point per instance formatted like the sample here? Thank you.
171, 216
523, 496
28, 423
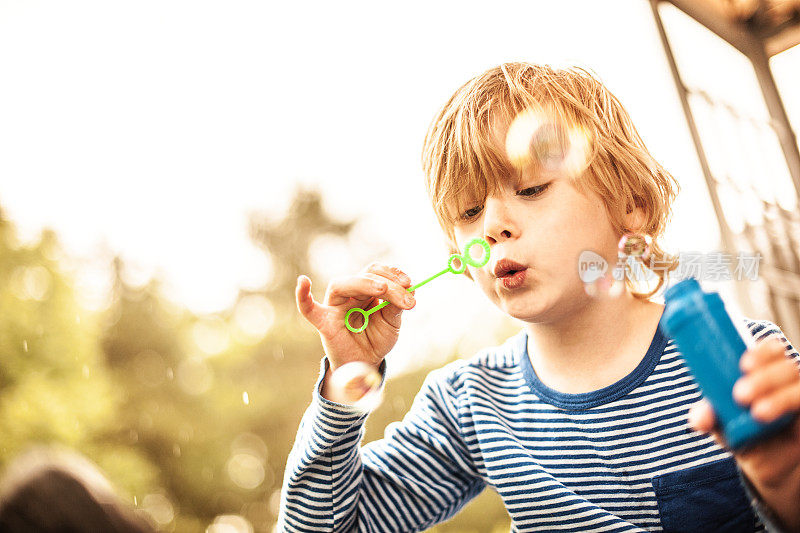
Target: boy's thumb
701, 416
703, 419
305, 300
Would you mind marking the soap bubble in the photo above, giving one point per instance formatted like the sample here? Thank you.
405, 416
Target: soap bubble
195, 375
230, 524
611, 283
598, 279
31, 283
358, 384
159, 508
605, 286
246, 470
550, 145
537, 139
635, 245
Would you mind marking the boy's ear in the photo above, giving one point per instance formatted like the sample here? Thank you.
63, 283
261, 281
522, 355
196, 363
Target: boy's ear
635, 219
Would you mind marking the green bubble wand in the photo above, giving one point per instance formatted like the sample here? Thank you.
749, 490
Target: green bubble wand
462, 259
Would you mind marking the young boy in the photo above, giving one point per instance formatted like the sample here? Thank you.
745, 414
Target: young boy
580, 421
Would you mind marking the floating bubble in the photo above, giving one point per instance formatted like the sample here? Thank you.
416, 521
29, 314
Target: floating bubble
598, 281
536, 138
275, 502
635, 245
253, 317
159, 508
605, 286
195, 375
249, 443
550, 145
30, 283
258, 513
245, 470
358, 384
230, 524
211, 335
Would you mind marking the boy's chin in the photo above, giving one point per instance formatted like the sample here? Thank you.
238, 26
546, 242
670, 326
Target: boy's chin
527, 310
539, 308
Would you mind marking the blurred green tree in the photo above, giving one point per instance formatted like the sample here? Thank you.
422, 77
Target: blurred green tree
288, 241
54, 388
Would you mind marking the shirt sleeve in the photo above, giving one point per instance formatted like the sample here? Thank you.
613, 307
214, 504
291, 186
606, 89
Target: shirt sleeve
418, 475
763, 330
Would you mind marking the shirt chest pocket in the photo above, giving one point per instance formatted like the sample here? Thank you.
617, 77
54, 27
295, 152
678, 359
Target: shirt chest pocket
708, 497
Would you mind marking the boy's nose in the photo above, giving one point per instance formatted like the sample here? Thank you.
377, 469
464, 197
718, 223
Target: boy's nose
497, 222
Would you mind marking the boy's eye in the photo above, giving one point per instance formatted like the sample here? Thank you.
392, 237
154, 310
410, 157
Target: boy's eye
471, 213
533, 191
529, 192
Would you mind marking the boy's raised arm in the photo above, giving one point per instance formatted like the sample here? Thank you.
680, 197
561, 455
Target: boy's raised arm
416, 476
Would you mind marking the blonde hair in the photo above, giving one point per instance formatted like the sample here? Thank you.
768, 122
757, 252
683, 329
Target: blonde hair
463, 164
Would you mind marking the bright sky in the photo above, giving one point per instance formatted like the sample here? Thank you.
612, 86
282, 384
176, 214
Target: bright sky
154, 128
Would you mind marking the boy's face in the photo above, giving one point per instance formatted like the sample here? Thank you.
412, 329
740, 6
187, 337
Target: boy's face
542, 224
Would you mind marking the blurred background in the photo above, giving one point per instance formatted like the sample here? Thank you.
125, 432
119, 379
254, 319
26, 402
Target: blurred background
168, 168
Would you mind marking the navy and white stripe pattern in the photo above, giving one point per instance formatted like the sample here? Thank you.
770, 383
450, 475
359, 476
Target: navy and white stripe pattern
618, 459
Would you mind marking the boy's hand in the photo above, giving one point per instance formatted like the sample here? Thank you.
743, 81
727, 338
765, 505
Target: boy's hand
362, 290
771, 387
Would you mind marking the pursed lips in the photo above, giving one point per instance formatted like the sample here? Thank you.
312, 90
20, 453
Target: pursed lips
507, 267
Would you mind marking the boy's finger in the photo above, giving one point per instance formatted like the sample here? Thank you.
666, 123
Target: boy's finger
762, 381
393, 273
306, 304
396, 294
762, 353
701, 416
782, 401
362, 287
703, 420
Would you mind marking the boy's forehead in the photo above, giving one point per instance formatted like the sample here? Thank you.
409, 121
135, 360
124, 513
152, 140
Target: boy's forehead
499, 122
474, 190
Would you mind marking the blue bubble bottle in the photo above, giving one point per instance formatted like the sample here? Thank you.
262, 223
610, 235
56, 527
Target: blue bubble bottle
711, 345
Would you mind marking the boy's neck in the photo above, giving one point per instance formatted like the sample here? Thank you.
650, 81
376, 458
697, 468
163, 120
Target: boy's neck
600, 344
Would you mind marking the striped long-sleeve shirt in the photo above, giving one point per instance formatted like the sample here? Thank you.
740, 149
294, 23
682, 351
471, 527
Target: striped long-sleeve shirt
621, 458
